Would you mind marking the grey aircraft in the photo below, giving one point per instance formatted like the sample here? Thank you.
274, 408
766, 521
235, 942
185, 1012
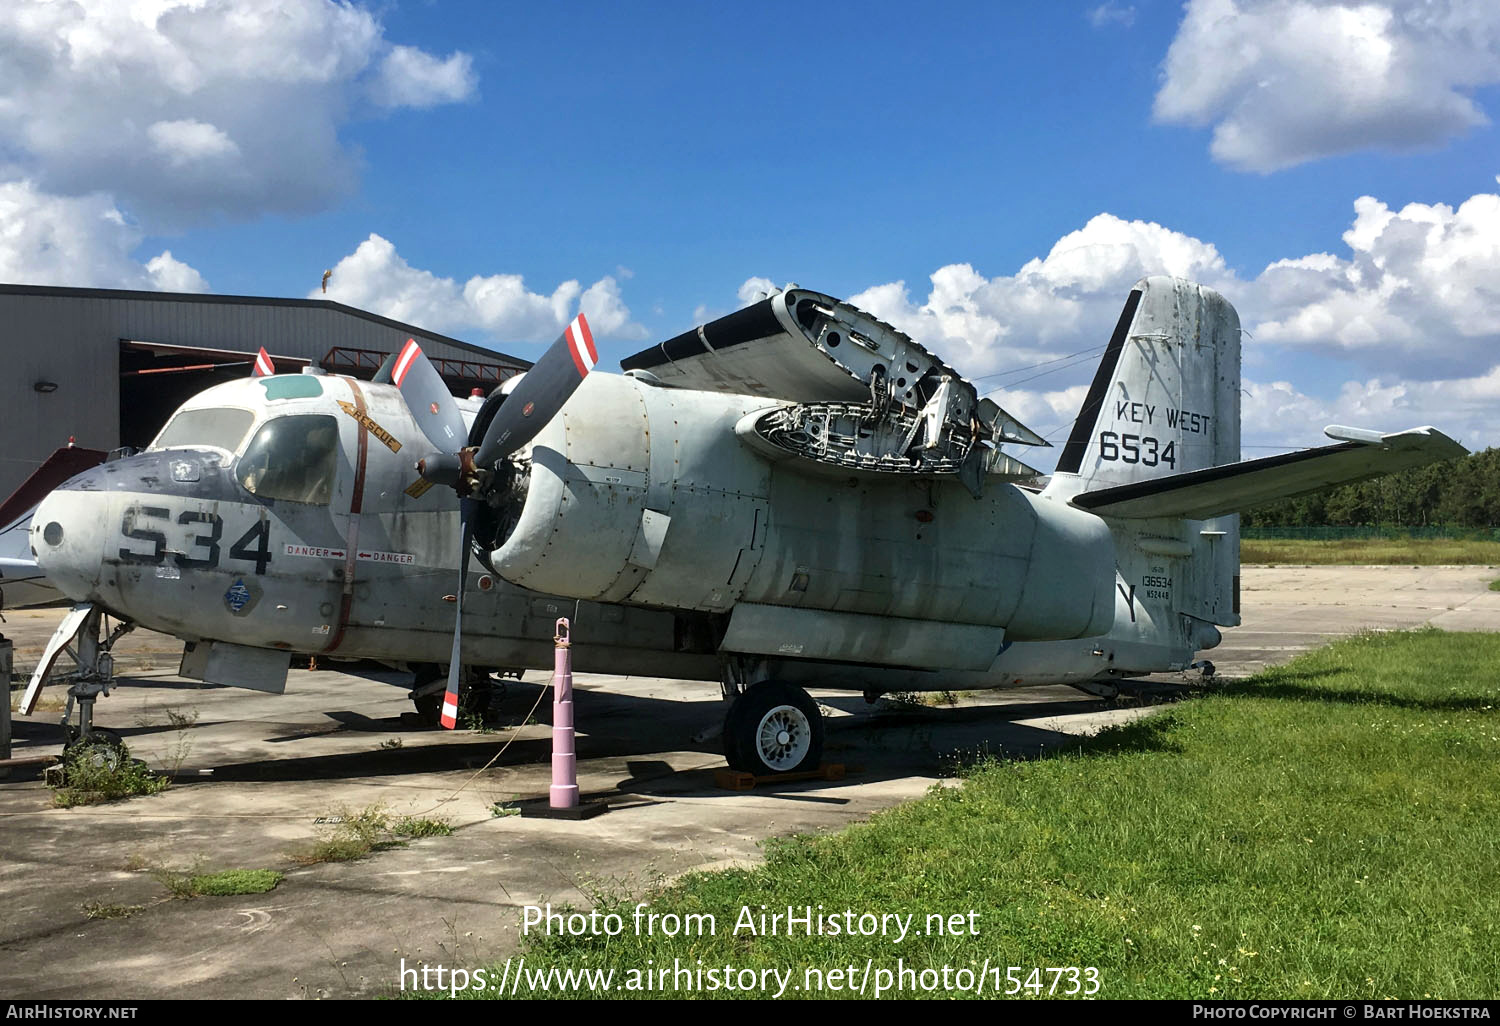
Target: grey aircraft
794, 495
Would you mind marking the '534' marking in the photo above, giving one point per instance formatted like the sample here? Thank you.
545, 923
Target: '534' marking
132, 527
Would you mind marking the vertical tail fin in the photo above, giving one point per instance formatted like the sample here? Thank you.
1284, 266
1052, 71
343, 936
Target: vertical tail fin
1165, 400
1166, 396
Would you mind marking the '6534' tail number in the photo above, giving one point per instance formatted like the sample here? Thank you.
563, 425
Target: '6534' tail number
1142, 449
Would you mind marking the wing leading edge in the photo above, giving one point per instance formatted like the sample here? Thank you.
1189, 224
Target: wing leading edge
1218, 491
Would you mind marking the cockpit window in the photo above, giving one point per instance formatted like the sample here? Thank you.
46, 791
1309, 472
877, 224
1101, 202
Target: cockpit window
220, 428
291, 458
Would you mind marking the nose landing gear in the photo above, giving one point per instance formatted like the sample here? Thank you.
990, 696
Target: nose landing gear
94, 676
79, 635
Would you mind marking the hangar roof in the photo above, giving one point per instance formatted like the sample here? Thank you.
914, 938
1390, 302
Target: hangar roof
213, 298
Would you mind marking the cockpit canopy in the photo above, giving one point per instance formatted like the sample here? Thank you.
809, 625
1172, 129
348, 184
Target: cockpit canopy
217, 427
292, 458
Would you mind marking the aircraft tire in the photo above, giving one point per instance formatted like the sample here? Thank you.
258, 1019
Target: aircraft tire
772, 728
102, 748
429, 709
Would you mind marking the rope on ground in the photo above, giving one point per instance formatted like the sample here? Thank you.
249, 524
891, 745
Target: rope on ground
540, 695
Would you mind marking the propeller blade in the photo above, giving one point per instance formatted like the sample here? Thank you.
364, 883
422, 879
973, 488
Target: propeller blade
431, 404
541, 393
264, 366
455, 660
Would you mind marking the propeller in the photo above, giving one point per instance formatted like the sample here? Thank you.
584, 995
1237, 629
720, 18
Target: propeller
432, 405
470, 470
536, 400
263, 365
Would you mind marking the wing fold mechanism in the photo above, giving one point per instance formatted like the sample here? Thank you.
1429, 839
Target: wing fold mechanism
864, 397
1219, 491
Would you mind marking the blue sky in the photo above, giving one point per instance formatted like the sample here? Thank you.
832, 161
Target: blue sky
990, 177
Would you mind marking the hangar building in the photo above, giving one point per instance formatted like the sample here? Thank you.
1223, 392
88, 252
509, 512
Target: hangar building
108, 366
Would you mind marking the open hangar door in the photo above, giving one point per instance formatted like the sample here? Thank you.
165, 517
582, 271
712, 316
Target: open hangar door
156, 378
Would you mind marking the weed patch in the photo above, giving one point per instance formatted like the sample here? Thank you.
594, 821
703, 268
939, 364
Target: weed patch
99, 773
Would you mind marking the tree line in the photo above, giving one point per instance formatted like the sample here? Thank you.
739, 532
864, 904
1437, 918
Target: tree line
1455, 493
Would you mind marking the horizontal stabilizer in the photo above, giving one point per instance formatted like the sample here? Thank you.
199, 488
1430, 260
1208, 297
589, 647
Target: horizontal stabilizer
1218, 491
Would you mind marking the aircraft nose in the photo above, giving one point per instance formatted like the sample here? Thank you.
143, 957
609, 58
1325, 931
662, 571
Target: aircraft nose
67, 536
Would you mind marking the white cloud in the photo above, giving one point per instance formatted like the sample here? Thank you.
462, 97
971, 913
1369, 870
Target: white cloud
184, 142
754, 290
412, 78
607, 314
168, 274
1287, 81
1107, 14
188, 109
1416, 295
80, 241
377, 278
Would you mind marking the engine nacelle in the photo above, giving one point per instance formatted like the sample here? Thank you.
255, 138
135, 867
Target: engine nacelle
646, 495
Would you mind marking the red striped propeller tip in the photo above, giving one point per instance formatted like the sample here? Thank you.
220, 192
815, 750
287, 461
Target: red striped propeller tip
409, 354
450, 711
264, 367
581, 345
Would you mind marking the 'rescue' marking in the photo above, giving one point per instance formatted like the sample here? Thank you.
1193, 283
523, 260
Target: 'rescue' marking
367, 423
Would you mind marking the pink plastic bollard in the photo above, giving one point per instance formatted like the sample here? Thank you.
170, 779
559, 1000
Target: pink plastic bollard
564, 791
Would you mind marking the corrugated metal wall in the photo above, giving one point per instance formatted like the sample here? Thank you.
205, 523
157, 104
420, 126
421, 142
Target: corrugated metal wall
72, 337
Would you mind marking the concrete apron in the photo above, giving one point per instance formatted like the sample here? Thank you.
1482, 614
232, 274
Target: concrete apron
277, 763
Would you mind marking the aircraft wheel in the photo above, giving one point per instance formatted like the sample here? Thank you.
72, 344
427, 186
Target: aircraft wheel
429, 709
102, 748
773, 728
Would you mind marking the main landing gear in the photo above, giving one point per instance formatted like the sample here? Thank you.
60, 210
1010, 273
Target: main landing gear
771, 727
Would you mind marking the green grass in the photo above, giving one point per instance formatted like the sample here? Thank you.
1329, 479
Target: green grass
236, 881
1495, 584
1373, 551
225, 882
1326, 829
412, 826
